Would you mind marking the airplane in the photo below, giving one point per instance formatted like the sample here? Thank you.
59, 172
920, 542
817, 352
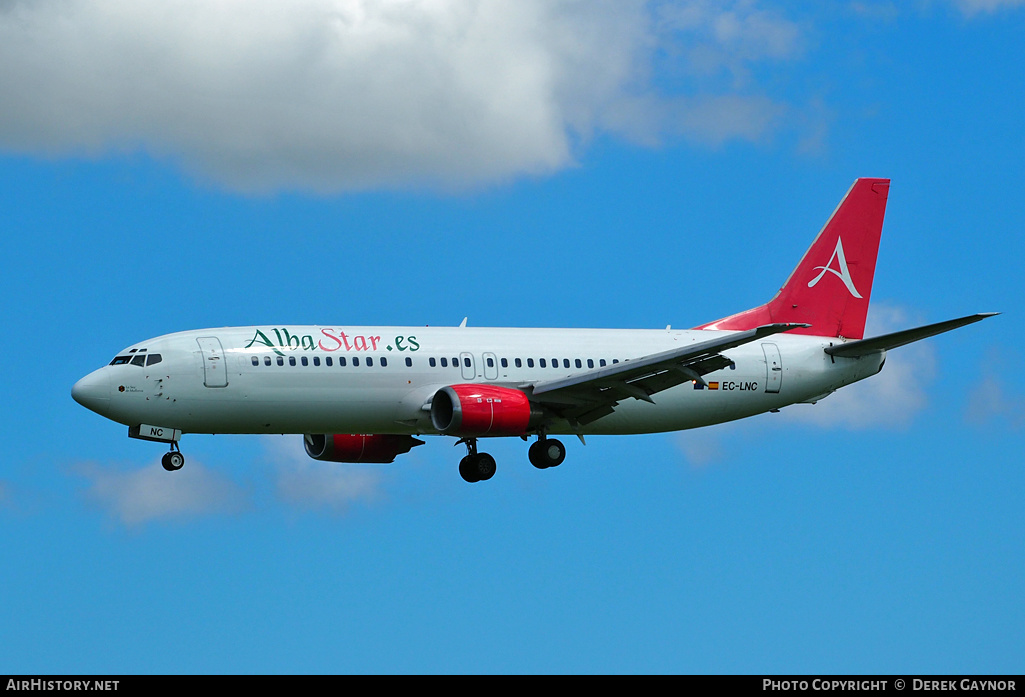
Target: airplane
363, 394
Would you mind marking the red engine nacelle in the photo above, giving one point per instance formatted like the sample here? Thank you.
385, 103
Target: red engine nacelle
358, 447
483, 410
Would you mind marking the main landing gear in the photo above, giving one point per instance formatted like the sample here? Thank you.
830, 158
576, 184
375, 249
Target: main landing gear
476, 467
173, 460
546, 452
479, 467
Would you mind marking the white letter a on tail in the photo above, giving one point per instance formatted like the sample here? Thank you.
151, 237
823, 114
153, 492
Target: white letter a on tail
843, 274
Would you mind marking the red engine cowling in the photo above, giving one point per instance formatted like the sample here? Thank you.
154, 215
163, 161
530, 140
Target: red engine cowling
358, 447
482, 410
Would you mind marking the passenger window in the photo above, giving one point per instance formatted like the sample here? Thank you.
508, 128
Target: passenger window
328, 362
281, 361
555, 362
409, 362
541, 362
430, 361
305, 360
256, 361
491, 363
384, 362
291, 360
341, 361
316, 360
505, 362
615, 360
466, 362
355, 361
590, 362
601, 362
153, 358
266, 360
519, 363
370, 360
565, 363
530, 363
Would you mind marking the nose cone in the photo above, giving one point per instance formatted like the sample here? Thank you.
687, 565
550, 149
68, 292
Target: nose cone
93, 391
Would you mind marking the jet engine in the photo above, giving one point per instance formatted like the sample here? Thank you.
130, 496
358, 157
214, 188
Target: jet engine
483, 410
358, 447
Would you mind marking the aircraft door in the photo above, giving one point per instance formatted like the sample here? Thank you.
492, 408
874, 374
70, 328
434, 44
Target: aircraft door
773, 368
466, 365
490, 366
215, 372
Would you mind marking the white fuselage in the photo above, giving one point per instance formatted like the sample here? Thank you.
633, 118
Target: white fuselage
330, 379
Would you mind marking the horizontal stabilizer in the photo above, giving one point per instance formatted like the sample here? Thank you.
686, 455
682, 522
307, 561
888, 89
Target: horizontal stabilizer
889, 341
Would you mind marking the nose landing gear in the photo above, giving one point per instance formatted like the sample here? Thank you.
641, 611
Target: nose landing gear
174, 460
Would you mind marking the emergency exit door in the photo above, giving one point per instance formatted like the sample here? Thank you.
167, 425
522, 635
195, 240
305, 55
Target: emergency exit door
773, 368
215, 372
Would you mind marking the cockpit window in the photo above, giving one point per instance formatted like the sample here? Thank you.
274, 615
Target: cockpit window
139, 359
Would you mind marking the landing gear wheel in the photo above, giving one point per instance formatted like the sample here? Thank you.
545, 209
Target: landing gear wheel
467, 470
477, 467
173, 461
546, 453
486, 466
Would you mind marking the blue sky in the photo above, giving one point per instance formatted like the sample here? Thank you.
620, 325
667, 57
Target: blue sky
176, 165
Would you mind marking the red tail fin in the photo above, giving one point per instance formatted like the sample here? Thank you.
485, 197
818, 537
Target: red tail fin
830, 287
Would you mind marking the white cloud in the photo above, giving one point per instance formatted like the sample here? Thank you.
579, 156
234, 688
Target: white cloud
704, 446
892, 399
886, 10
310, 484
331, 95
328, 486
729, 37
974, 7
989, 402
137, 496
878, 11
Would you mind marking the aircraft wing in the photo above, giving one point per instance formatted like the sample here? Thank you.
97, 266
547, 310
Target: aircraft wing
588, 396
863, 347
